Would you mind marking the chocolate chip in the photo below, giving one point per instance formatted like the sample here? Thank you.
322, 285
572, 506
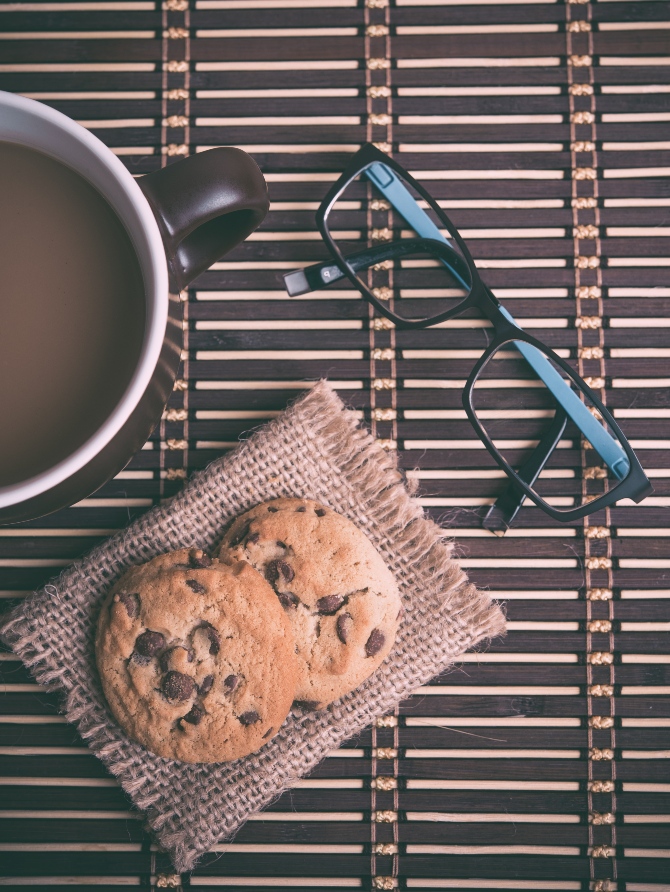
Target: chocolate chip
131, 601
330, 604
288, 600
250, 717
320, 512
195, 716
139, 659
231, 683
240, 535
343, 626
197, 587
306, 705
167, 655
278, 568
272, 571
253, 538
177, 686
282, 544
199, 559
375, 642
300, 510
286, 571
149, 643
206, 685
214, 638
272, 510
267, 733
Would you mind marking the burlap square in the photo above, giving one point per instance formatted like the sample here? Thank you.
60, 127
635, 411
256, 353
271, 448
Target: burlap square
316, 449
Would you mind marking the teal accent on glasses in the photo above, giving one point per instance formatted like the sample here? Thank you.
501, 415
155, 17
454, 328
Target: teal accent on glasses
605, 445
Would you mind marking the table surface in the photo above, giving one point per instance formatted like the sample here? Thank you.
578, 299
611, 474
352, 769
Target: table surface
541, 762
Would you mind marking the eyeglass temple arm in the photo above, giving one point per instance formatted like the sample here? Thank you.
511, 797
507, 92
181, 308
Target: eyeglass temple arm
320, 275
607, 447
499, 517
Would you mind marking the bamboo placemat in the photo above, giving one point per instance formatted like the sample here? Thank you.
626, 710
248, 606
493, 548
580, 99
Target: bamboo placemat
543, 762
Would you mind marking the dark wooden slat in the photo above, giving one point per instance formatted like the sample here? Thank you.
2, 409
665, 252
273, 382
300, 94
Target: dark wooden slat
517, 579
39, 830
127, 136
437, 15
68, 50
83, 887
108, 109
434, 105
631, 12
245, 866
491, 801
316, 865
528, 738
50, 799
79, 20
31, 864
631, 42
462, 45
76, 81
537, 705
42, 735
524, 769
287, 17
522, 866
535, 76
518, 674
84, 766
531, 834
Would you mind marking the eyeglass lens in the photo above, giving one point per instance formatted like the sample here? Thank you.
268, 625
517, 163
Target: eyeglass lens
520, 414
380, 208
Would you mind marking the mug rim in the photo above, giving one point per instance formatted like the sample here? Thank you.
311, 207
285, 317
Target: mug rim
156, 293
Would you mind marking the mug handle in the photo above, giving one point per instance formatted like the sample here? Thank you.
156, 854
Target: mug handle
205, 205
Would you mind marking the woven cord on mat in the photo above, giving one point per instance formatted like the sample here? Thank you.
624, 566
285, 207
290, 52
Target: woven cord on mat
316, 449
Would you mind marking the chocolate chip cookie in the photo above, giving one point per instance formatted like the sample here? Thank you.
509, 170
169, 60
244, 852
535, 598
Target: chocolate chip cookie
196, 659
340, 597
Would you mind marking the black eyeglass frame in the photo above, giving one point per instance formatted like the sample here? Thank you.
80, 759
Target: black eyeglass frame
635, 485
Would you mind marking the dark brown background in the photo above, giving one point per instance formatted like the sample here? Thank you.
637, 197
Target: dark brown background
498, 765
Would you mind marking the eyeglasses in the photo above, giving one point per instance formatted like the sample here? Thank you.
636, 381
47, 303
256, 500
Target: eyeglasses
525, 402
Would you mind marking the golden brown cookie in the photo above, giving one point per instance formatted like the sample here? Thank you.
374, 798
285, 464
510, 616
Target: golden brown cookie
196, 659
341, 598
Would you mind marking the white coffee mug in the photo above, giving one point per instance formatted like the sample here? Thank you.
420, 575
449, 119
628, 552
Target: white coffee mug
180, 219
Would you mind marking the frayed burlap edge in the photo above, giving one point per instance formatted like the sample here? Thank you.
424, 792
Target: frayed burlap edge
315, 449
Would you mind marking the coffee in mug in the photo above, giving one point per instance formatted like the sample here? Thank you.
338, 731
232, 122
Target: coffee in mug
73, 311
